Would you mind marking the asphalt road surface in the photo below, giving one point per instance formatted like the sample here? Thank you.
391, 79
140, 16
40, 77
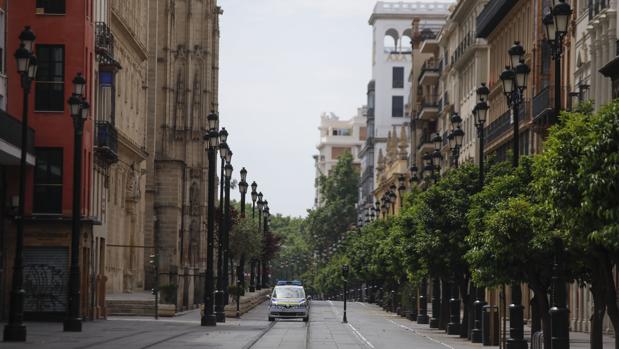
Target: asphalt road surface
368, 327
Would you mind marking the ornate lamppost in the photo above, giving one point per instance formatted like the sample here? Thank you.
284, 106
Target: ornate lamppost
79, 111
480, 113
15, 330
212, 138
259, 266
556, 24
265, 232
345, 270
401, 189
455, 137
514, 80
240, 283
252, 272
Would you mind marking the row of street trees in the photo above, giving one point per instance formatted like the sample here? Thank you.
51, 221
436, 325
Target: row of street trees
559, 206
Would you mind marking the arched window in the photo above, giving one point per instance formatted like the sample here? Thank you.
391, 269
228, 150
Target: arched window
390, 43
405, 41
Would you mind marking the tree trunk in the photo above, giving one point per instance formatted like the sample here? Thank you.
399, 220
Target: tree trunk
536, 321
597, 317
611, 297
444, 314
467, 306
543, 306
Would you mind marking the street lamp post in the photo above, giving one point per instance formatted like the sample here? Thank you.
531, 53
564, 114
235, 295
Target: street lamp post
265, 232
79, 112
401, 189
436, 302
224, 248
259, 266
212, 138
252, 272
514, 80
480, 113
455, 137
556, 25
345, 270
240, 284
422, 317
15, 330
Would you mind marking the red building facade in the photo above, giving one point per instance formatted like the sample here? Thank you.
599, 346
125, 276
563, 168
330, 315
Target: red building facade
64, 46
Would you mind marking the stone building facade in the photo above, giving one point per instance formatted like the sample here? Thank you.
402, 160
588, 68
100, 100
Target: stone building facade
183, 55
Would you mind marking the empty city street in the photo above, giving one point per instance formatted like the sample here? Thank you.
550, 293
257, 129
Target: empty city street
368, 327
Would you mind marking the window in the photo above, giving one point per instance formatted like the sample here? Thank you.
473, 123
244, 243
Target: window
398, 77
342, 132
50, 6
49, 93
397, 106
48, 181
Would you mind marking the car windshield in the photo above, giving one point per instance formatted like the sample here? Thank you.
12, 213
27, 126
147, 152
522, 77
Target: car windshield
289, 292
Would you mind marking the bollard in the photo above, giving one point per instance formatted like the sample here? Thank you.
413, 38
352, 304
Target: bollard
490, 325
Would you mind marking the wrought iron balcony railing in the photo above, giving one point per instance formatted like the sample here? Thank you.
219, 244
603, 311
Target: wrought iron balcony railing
106, 141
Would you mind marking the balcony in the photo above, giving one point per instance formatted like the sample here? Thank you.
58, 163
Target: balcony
10, 133
430, 72
106, 141
503, 124
542, 109
104, 44
429, 108
425, 145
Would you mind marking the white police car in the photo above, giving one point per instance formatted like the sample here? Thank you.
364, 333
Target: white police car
289, 302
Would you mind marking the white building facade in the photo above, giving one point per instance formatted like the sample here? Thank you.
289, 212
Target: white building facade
391, 67
338, 137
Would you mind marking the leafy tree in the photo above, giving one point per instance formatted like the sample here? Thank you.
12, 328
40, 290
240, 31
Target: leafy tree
577, 178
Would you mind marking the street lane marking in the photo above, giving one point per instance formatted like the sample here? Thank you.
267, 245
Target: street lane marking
253, 342
421, 335
367, 342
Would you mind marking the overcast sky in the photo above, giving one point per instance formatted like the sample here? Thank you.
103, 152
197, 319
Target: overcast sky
282, 63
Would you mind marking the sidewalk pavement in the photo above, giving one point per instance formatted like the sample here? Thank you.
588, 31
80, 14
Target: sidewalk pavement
578, 340
143, 332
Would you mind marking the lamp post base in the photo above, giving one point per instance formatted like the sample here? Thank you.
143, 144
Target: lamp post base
208, 320
220, 314
476, 335
72, 325
433, 323
14, 333
423, 319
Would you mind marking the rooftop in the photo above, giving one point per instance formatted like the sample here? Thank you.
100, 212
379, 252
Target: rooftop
384, 9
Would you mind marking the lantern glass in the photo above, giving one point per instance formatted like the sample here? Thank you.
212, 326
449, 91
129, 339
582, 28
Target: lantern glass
254, 186
437, 140
508, 77
23, 59
516, 53
213, 139
212, 119
452, 141
79, 84
74, 105
243, 187
229, 155
482, 112
522, 73
401, 180
561, 13
223, 135
254, 196
84, 108
32, 67
243, 174
223, 148
549, 27
228, 170
458, 136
